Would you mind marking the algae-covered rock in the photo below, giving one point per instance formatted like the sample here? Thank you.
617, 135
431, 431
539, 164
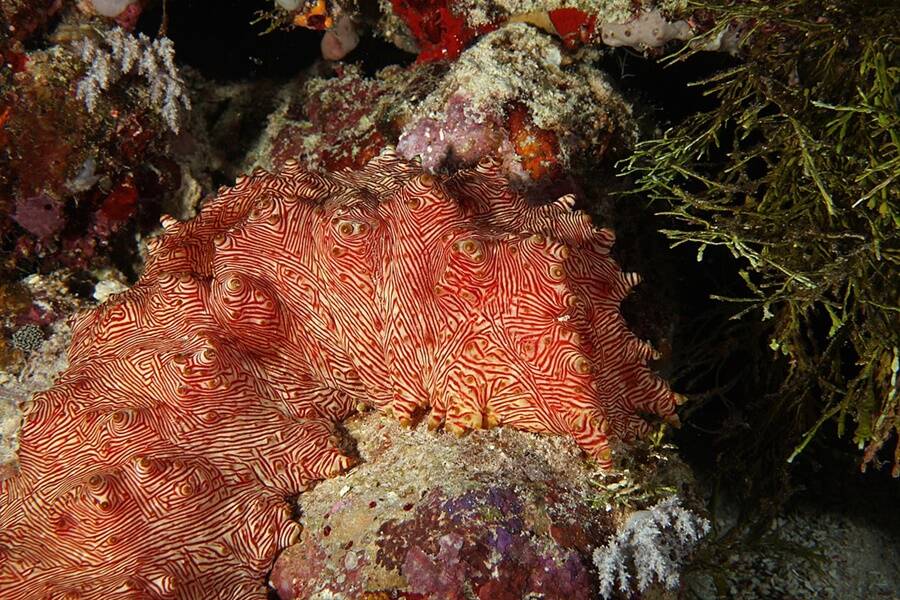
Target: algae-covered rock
501, 514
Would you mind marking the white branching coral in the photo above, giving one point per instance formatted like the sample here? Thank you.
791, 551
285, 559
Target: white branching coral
652, 546
122, 54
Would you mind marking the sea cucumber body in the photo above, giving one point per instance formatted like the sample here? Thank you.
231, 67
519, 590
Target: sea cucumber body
197, 403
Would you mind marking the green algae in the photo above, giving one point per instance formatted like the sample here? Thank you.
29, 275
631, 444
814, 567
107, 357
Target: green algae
796, 172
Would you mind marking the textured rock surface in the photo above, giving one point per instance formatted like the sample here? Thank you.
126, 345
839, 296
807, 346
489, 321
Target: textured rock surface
554, 120
441, 29
496, 515
200, 400
519, 95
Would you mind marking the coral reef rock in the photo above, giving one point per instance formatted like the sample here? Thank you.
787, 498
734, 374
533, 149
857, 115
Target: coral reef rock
499, 516
440, 30
344, 121
87, 155
553, 119
516, 94
199, 401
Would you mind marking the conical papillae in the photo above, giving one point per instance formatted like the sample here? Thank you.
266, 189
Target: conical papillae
199, 401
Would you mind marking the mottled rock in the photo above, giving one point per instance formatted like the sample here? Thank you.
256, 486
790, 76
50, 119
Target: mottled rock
552, 119
497, 515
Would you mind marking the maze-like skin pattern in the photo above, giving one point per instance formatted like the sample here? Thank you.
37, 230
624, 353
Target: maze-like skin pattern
197, 403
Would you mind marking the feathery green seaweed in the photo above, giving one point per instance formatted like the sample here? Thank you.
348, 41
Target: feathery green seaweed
796, 171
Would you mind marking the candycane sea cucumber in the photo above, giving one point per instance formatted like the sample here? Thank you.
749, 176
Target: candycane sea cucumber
197, 403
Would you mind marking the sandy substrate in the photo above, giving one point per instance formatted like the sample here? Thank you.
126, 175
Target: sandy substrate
816, 553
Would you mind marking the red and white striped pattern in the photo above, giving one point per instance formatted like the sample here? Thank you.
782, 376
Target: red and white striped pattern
200, 400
